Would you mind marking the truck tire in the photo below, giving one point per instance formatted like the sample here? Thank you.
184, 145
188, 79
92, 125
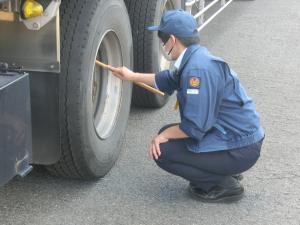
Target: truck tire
148, 54
94, 104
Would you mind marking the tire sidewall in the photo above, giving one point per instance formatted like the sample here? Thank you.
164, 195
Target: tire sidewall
100, 154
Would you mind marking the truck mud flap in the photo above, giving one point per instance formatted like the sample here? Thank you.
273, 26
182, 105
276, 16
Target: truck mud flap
15, 126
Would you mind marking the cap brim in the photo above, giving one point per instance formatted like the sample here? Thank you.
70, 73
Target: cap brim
153, 28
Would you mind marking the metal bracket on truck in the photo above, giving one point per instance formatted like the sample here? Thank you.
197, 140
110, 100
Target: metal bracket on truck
35, 50
32, 22
36, 23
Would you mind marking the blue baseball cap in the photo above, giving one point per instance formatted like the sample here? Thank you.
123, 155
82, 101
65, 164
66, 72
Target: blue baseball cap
178, 23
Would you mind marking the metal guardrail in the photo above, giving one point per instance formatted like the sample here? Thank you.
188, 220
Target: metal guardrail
202, 6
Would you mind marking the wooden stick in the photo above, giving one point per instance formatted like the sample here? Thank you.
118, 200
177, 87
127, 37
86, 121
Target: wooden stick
7, 16
147, 87
101, 64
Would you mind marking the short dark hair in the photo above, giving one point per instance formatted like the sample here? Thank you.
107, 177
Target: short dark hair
163, 36
186, 41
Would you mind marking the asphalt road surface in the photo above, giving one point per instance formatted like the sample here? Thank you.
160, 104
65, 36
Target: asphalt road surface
260, 40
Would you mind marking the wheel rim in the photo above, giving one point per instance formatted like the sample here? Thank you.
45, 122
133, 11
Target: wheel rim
165, 60
106, 88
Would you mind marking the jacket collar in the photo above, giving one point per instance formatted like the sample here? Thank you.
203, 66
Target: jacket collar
179, 59
187, 55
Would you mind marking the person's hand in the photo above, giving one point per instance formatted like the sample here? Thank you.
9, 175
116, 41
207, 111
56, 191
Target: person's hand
154, 150
122, 72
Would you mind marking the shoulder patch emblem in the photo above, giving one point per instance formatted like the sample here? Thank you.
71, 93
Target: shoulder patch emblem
194, 82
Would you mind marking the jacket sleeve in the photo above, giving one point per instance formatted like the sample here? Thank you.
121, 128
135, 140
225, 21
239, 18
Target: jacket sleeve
166, 81
201, 102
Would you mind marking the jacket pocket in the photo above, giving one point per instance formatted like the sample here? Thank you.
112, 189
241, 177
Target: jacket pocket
221, 133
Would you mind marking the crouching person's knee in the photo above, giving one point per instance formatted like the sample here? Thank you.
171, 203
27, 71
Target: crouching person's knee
163, 158
161, 162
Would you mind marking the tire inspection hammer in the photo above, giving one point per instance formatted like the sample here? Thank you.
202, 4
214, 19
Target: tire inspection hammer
140, 84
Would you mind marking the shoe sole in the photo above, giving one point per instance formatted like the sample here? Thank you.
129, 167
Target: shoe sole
226, 199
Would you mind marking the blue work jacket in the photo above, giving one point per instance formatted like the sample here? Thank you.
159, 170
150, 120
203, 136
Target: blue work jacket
215, 111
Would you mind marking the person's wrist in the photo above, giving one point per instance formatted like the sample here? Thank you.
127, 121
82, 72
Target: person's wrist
133, 76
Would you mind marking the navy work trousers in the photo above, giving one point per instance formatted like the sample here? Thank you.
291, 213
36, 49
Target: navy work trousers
206, 170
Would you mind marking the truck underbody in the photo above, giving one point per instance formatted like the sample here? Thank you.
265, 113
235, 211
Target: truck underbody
15, 125
77, 112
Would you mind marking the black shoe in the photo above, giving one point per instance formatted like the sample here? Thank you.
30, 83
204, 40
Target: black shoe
238, 176
219, 194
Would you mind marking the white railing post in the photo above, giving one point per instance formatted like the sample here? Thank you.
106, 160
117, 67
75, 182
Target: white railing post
189, 5
201, 7
199, 16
